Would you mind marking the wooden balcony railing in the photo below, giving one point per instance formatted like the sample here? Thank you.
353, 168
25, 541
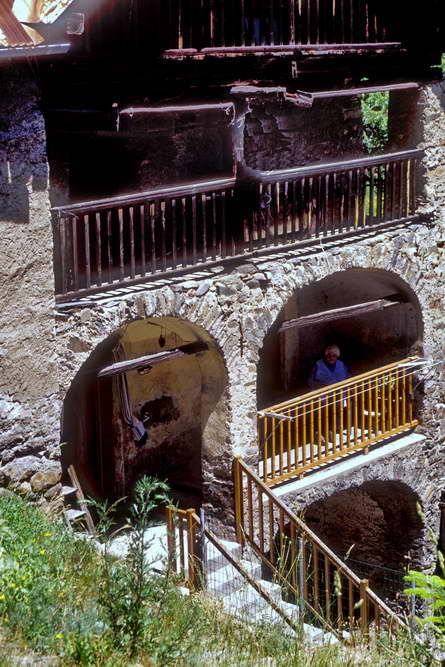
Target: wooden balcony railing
125, 240
327, 424
312, 202
111, 241
326, 589
211, 25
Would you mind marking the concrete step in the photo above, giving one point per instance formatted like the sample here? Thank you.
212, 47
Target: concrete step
227, 580
246, 601
216, 560
74, 515
68, 490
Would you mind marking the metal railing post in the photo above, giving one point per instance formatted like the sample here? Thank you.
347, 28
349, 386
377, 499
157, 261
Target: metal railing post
301, 575
191, 550
203, 548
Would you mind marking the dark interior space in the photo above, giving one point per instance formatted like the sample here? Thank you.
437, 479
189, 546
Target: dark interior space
366, 341
375, 524
173, 400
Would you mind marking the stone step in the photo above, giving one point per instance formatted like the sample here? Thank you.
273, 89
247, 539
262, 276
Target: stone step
74, 515
68, 490
247, 601
216, 560
227, 580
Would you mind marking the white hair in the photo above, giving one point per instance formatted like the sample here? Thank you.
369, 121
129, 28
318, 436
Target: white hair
333, 348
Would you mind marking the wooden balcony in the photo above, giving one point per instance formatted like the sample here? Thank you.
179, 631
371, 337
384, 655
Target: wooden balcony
131, 239
242, 26
328, 424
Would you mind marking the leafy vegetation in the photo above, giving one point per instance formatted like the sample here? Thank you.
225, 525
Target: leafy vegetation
431, 588
60, 595
375, 121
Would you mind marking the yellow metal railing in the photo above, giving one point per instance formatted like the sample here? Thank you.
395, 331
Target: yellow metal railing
327, 424
327, 590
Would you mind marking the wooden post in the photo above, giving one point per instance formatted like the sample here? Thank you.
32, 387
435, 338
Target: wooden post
171, 541
192, 574
364, 620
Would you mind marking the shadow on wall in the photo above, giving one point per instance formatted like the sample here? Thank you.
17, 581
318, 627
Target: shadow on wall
19, 176
376, 522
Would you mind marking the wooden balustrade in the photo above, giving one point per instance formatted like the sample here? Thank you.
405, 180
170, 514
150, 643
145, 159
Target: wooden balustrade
183, 528
327, 424
219, 24
126, 240
313, 202
111, 241
326, 589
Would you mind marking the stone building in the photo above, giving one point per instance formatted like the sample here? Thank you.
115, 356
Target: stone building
175, 187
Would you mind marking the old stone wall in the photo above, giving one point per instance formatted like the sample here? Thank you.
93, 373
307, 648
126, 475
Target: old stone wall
280, 136
238, 308
29, 399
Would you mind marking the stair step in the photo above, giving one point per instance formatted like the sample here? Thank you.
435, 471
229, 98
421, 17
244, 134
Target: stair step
227, 580
216, 560
74, 515
68, 490
248, 601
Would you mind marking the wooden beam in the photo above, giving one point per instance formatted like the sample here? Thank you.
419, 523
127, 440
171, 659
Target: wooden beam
141, 363
339, 313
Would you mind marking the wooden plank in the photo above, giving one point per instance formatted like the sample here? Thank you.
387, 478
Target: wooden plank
151, 359
81, 500
339, 313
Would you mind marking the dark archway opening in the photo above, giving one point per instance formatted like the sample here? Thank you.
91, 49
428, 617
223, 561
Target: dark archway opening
172, 401
376, 528
366, 341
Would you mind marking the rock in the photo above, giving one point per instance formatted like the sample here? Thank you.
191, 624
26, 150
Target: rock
42, 480
189, 284
21, 469
225, 290
245, 269
203, 288
53, 491
24, 488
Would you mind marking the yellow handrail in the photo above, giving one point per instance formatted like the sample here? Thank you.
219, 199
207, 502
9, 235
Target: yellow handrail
316, 428
303, 564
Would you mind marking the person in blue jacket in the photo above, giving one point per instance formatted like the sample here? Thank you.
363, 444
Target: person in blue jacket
328, 370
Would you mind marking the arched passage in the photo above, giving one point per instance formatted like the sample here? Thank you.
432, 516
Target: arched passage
367, 341
375, 526
177, 402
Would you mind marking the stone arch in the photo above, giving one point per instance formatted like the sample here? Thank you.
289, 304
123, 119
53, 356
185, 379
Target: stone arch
182, 403
374, 525
367, 341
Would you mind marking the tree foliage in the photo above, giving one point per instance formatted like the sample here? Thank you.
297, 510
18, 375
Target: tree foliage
375, 121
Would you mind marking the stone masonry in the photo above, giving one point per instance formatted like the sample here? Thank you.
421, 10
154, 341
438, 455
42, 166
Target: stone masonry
235, 306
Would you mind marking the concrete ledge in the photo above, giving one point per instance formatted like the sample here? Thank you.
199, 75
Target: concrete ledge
348, 464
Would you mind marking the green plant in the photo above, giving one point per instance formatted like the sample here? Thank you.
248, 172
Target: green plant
127, 587
431, 588
375, 120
